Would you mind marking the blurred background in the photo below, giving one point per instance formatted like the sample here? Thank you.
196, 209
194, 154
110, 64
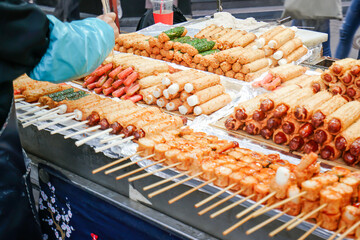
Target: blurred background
264, 10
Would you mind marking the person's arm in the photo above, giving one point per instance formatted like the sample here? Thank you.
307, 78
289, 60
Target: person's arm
75, 49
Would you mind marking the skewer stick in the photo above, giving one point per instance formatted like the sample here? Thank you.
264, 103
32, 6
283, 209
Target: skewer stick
85, 140
257, 227
191, 190
83, 131
278, 204
49, 116
353, 227
40, 115
112, 138
306, 217
63, 118
27, 105
128, 164
165, 180
151, 173
113, 163
100, 149
153, 194
264, 199
19, 99
214, 195
212, 206
221, 211
32, 111
69, 127
282, 227
337, 232
305, 235
139, 170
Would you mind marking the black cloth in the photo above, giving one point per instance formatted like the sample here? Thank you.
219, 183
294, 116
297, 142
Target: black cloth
67, 10
148, 18
23, 41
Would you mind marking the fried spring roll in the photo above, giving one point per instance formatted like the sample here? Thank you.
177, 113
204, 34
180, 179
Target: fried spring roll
287, 48
339, 67
290, 126
213, 105
246, 109
158, 91
251, 55
234, 55
281, 138
205, 31
304, 111
245, 40
347, 78
273, 99
343, 117
253, 75
268, 35
184, 95
353, 91
329, 152
236, 67
225, 66
281, 38
168, 124
287, 72
241, 77
328, 77
230, 74
150, 81
322, 136
222, 55
326, 109
294, 56
347, 137
174, 104
161, 102
185, 108
205, 95
255, 65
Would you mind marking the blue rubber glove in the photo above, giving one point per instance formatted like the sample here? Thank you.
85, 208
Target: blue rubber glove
75, 49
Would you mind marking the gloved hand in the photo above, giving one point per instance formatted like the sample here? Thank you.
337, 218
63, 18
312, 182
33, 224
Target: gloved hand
109, 18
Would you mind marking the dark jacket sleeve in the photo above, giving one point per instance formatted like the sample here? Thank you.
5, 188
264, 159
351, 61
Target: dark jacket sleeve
23, 38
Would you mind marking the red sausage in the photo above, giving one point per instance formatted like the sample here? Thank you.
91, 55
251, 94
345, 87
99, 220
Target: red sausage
240, 114
108, 91
316, 87
119, 92
311, 146
125, 73
115, 72
355, 147
317, 119
251, 129
300, 113
104, 124
131, 78
98, 90
340, 143
355, 70
349, 159
351, 92
334, 126
91, 86
266, 105
306, 130
136, 98
337, 69
259, 115
296, 143
266, 133
327, 153
347, 78
281, 111
280, 138
101, 81
320, 136
117, 83
93, 118
128, 130
91, 80
230, 124
273, 123
288, 127
108, 83
139, 134
357, 83
327, 77
102, 70
132, 90
116, 128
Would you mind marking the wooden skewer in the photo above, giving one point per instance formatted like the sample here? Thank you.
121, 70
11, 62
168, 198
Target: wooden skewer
214, 195
85, 140
32, 111
278, 204
353, 227
337, 232
27, 105
214, 205
257, 227
128, 164
282, 227
100, 149
69, 127
83, 131
151, 173
41, 114
114, 163
221, 211
112, 138
153, 194
49, 116
165, 180
264, 199
63, 118
139, 170
305, 235
306, 216
19, 99
191, 190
